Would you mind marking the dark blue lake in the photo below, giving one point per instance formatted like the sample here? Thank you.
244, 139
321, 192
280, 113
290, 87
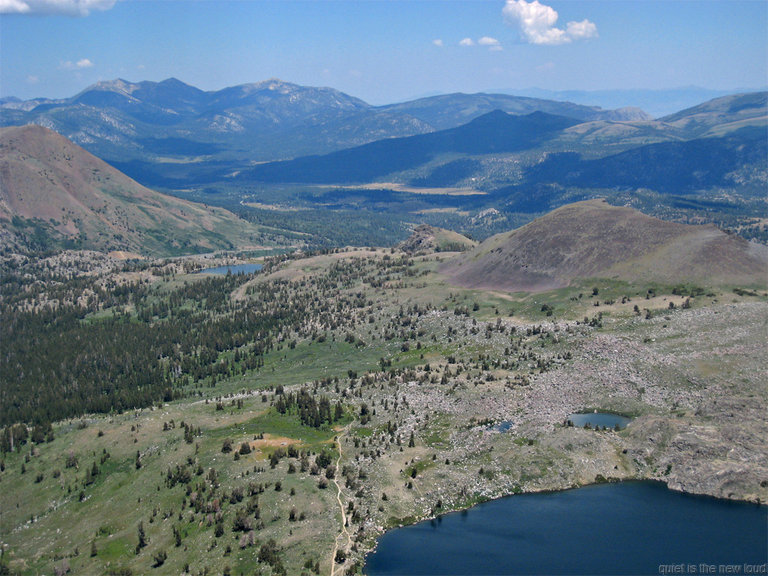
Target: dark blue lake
623, 528
602, 419
234, 269
505, 426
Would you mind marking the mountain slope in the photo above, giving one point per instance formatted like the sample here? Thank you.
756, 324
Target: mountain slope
55, 194
740, 157
495, 132
450, 110
722, 115
592, 239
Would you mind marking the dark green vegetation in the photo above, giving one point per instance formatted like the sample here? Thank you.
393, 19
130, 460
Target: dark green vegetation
92, 361
344, 224
130, 345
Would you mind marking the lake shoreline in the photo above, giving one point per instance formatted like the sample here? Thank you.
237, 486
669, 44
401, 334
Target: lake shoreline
608, 480
638, 481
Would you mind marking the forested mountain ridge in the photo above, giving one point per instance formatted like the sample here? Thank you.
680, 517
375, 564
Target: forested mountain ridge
738, 159
495, 132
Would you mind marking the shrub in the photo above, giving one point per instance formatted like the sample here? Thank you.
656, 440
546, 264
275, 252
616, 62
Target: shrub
159, 558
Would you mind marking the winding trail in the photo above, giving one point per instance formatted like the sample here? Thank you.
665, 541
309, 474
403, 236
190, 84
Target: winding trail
344, 532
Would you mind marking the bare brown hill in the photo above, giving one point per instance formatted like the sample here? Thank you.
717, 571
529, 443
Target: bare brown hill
593, 239
54, 194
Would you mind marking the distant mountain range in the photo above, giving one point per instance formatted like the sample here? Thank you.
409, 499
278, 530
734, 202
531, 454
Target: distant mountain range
657, 103
726, 147
54, 195
486, 160
172, 135
169, 128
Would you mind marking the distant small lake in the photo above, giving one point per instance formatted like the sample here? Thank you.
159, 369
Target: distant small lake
234, 269
504, 426
623, 528
602, 419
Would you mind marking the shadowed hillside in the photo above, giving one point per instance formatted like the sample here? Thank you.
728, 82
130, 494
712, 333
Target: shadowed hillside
740, 158
595, 240
495, 132
54, 194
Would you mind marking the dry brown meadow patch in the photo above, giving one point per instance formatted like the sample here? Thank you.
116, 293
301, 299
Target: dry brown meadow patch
270, 441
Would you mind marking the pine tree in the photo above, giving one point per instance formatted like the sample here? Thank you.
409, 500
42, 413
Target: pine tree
142, 537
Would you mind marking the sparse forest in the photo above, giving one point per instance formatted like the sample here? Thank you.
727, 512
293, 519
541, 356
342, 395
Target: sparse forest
242, 405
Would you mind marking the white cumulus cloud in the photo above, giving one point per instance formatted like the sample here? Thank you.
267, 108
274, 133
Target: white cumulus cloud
79, 65
492, 43
13, 7
583, 29
65, 7
537, 23
437, 42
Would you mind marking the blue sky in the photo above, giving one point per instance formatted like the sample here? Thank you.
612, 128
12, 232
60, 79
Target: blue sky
384, 51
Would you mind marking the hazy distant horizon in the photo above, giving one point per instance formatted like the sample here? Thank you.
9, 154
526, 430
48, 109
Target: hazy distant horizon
657, 103
385, 52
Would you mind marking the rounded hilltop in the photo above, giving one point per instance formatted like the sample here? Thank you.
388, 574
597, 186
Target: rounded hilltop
592, 239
